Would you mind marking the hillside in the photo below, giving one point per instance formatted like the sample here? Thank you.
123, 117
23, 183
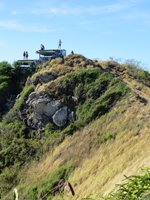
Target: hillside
76, 120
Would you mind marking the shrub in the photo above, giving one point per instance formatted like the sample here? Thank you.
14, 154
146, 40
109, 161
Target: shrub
136, 187
106, 137
47, 187
23, 97
96, 92
12, 80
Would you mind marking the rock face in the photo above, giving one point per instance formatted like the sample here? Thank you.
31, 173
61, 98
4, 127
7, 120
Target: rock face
60, 116
41, 78
47, 105
41, 108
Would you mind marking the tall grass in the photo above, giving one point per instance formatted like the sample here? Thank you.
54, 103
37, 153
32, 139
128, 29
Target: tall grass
135, 188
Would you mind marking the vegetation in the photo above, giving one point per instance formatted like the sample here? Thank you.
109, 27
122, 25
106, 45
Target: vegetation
141, 75
12, 80
96, 93
46, 188
136, 187
23, 97
91, 93
16, 147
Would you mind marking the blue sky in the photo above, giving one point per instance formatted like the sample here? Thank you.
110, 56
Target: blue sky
95, 28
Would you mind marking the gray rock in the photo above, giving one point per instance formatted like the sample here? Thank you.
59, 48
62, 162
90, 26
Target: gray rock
60, 117
42, 78
46, 106
41, 108
36, 95
52, 107
45, 78
71, 117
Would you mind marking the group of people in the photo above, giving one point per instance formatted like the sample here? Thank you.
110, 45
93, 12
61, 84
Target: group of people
25, 55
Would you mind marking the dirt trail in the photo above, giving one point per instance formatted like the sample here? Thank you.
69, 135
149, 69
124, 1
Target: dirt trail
138, 88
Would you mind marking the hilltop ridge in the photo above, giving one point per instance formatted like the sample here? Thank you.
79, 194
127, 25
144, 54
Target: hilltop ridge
78, 120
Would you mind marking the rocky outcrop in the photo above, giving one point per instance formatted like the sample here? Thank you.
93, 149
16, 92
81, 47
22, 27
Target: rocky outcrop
60, 117
41, 108
47, 103
41, 78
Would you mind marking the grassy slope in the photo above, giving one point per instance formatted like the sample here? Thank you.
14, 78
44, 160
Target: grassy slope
118, 138
101, 165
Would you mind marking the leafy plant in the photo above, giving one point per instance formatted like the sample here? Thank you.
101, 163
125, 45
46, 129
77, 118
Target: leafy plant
135, 188
49, 186
106, 137
23, 96
96, 93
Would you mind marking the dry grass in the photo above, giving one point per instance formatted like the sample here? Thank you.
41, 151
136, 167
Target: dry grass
109, 165
99, 166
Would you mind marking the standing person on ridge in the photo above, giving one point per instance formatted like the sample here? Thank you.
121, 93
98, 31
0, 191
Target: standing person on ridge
59, 45
42, 47
26, 55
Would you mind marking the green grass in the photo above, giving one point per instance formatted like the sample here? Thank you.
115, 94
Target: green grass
106, 137
23, 97
96, 92
135, 71
46, 188
136, 188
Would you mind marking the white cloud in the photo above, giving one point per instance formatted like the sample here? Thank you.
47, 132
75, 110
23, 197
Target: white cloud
15, 25
48, 8
9, 24
91, 10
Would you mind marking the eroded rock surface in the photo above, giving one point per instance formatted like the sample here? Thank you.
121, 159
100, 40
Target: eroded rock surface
41, 108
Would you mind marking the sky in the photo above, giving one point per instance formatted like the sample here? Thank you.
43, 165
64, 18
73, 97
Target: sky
97, 29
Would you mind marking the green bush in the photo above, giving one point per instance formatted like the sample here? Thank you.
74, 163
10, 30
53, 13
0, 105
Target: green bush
12, 80
8, 178
23, 96
96, 92
46, 188
49, 129
106, 137
135, 188
4, 78
5, 68
135, 70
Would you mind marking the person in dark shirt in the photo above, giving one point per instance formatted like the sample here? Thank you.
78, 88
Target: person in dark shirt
26, 55
42, 47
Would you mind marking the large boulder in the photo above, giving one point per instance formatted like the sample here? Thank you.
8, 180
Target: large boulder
60, 117
42, 108
46, 106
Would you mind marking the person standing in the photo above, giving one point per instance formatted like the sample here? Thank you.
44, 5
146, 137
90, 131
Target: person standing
59, 45
42, 47
26, 55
